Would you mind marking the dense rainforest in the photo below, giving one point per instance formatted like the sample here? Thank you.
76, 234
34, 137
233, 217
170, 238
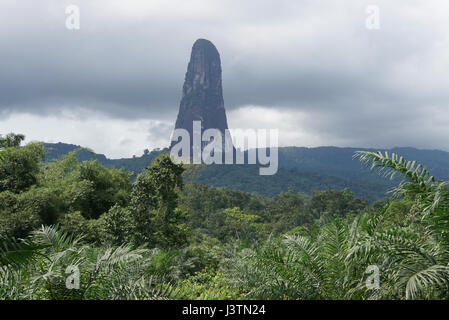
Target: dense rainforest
73, 229
301, 169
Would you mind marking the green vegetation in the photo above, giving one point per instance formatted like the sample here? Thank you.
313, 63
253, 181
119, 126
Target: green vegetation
301, 169
73, 229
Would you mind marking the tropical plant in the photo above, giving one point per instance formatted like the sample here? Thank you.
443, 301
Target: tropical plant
416, 256
15, 253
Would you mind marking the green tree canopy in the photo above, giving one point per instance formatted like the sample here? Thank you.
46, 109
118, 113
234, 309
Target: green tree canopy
11, 140
19, 167
154, 201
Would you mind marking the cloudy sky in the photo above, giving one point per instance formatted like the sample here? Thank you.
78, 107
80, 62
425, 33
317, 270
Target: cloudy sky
310, 68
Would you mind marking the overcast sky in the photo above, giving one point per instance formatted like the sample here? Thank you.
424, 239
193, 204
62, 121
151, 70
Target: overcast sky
312, 69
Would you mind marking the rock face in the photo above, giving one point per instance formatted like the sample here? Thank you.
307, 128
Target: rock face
202, 93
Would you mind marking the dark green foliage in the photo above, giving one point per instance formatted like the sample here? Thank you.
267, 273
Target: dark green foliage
156, 186
11, 140
206, 207
215, 243
303, 169
286, 211
87, 187
325, 205
92, 230
118, 225
14, 253
20, 214
19, 167
154, 200
101, 188
247, 178
54, 151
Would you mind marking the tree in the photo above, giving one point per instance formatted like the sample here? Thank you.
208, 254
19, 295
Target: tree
286, 211
87, 187
19, 167
240, 223
329, 204
154, 201
11, 140
117, 225
104, 188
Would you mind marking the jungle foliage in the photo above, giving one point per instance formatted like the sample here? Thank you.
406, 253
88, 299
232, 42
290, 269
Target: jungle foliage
74, 229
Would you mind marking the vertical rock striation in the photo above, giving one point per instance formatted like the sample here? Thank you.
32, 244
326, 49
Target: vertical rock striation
202, 93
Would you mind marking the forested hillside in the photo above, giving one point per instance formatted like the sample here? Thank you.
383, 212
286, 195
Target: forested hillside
159, 236
302, 169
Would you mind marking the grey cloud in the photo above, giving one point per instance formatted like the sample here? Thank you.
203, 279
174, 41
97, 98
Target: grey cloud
129, 60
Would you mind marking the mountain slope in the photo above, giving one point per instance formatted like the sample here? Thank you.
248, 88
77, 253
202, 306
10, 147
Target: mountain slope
303, 169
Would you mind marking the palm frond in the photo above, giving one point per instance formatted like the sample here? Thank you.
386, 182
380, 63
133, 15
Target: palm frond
15, 253
436, 276
389, 165
54, 237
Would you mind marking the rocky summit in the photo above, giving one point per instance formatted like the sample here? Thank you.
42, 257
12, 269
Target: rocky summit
202, 93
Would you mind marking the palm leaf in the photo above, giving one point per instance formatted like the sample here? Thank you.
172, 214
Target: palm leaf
14, 253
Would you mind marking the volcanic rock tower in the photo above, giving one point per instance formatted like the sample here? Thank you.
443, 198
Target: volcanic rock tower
202, 93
